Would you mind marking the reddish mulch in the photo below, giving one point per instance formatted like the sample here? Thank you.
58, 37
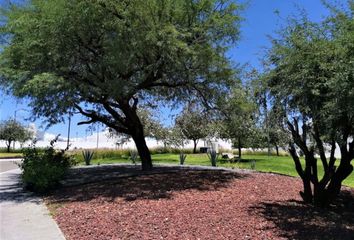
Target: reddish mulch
192, 204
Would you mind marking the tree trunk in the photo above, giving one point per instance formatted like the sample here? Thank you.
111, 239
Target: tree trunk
239, 148
334, 186
320, 192
306, 195
8, 145
143, 150
136, 131
144, 153
315, 192
277, 149
195, 146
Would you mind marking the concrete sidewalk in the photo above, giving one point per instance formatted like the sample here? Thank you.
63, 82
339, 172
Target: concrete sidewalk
9, 164
23, 216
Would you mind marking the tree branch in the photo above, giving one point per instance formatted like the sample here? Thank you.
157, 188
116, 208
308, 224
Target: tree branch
320, 147
99, 118
351, 150
114, 113
296, 136
296, 159
332, 158
86, 122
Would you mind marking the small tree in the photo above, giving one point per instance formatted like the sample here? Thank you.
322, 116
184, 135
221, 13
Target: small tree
12, 131
193, 124
271, 114
162, 134
239, 119
278, 136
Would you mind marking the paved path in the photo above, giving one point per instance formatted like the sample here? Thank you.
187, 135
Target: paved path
8, 164
23, 216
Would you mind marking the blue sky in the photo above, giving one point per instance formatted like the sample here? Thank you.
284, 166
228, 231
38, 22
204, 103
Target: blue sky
260, 21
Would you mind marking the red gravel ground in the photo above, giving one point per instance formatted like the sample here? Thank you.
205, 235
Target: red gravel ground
192, 204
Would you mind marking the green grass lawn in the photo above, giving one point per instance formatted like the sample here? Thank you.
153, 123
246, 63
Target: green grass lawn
10, 155
263, 163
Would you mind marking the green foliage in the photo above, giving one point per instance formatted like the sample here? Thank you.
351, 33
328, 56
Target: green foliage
107, 59
239, 120
313, 79
11, 131
106, 154
65, 53
4, 150
175, 150
263, 152
87, 155
42, 170
152, 128
193, 124
278, 136
100, 154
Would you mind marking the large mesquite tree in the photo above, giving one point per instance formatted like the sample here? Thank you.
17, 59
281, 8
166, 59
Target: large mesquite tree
313, 78
105, 59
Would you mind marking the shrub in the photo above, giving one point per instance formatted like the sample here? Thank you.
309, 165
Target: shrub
258, 152
42, 170
160, 150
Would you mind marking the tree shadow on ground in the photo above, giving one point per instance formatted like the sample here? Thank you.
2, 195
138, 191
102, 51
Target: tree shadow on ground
155, 185
11, 190
296, 220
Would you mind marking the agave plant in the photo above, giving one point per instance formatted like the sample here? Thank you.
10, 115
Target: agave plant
253, 164
182, 158
133, 156
213, 156
87, 154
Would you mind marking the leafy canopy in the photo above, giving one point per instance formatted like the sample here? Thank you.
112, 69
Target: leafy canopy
314, 74
240, 117
313, 79
193, 123
101, 57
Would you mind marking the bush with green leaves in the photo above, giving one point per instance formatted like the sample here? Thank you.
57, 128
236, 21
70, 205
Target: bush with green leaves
42, 170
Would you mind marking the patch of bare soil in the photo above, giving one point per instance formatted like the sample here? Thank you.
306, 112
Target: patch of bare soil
193, 204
